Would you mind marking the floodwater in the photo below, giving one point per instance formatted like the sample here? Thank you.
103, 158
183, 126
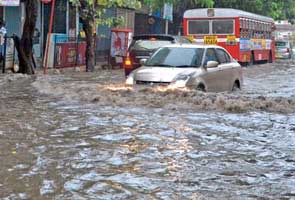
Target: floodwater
87, 136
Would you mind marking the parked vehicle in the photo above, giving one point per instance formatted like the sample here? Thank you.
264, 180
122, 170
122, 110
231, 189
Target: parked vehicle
202, 67
246, 36
284, 49
142, 46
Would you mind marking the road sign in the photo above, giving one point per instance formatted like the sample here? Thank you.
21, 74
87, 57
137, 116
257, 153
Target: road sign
168, 12
9, 2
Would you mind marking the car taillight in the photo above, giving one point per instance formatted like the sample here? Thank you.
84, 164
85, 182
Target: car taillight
127, 62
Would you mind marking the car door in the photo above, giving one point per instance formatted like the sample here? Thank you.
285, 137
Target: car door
211, 77
227, 70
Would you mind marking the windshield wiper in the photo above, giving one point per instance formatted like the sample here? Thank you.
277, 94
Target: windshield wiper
187, 66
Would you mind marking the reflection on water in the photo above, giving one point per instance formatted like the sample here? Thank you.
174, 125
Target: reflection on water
64, 148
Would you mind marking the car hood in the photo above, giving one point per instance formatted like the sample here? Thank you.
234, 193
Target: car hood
162, 74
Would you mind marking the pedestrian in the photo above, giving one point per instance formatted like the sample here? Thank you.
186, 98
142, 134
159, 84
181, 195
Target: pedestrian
2, 27
3, 32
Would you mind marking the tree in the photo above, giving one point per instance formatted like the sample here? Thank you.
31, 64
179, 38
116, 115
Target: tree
179, 7
188, 3
92, 14
24, 45
92, 11
276, 9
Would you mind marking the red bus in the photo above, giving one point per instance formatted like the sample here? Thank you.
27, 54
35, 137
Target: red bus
248, 37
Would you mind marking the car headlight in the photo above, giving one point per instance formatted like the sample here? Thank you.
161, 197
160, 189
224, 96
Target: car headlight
180, 80
130, 79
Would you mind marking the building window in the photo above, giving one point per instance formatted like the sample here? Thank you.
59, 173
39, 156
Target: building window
1, 13
72, 21
60, 17
128, 16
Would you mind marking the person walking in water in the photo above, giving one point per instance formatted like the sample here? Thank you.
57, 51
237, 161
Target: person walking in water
2, 27
3, 32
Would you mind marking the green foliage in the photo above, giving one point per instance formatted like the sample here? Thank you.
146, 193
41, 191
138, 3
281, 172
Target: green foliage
276, 9
160, 3
94, 10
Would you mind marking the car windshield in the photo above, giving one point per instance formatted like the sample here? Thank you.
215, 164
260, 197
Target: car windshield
150, 44
177, 57
281, 44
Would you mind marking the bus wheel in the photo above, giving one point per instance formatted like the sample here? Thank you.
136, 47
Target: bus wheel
244, 64
270, 57
252, 59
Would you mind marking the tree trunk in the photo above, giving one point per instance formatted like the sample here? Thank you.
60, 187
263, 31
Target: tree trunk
25, 45
87, 16
88, 27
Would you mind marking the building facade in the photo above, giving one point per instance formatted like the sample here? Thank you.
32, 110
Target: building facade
66, 22
285, 31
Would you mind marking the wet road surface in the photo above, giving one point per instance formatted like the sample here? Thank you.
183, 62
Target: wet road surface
87, 136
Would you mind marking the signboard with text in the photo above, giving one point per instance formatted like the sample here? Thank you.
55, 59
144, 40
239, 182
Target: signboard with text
168, 12
9, 2
70, 54
210, 39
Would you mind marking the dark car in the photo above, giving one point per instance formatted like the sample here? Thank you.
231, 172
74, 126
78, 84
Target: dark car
142, 46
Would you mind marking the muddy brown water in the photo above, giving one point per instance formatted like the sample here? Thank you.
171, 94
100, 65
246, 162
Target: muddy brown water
87, 136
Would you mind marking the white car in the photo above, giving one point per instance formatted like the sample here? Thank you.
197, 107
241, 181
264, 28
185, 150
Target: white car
284, 49
202, 67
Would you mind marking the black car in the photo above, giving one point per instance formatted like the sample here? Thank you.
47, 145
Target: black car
142, 46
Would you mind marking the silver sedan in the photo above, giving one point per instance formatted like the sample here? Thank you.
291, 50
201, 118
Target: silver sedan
202, 67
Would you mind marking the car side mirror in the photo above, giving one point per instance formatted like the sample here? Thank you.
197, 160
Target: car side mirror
143, 61
212, 64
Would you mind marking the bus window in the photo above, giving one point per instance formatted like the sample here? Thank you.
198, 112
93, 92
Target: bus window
223, 26
247, 24
242, 24
242, 33
251, 25
198, 27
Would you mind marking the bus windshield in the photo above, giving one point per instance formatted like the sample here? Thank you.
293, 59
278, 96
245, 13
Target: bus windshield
223, 26
216, 26
198, 27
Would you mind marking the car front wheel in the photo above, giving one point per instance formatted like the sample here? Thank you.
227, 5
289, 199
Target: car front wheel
236, 87
201, 88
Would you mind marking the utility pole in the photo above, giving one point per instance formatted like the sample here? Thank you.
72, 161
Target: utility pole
166, 26
49, 33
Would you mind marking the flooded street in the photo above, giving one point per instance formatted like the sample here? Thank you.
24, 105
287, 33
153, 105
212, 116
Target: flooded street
87, 136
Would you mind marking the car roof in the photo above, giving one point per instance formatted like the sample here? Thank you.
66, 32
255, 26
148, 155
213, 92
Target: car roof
158, 36
194, 46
